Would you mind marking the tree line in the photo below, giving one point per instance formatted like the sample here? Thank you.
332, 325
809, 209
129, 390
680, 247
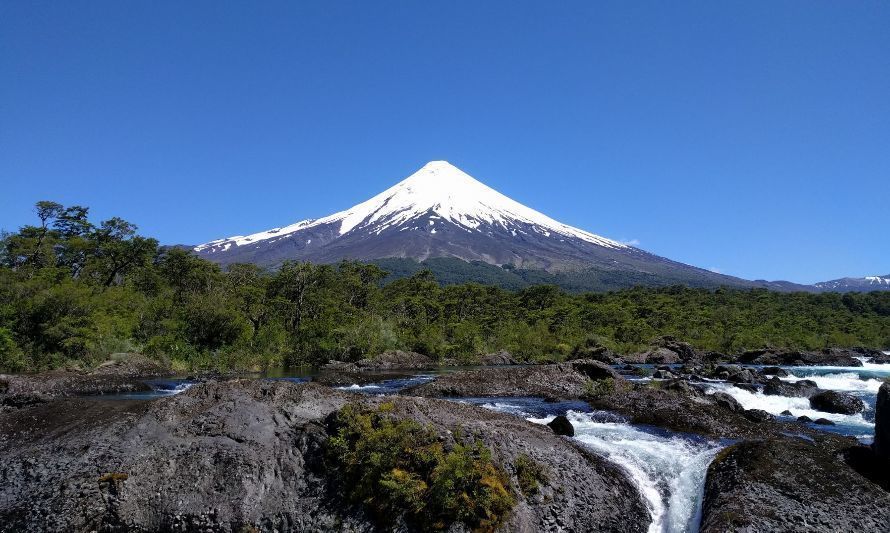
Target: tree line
73, 291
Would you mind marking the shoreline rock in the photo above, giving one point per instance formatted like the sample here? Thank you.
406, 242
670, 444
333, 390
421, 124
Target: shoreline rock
248, 454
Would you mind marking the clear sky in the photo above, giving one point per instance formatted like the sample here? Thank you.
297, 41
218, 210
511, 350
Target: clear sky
749, 137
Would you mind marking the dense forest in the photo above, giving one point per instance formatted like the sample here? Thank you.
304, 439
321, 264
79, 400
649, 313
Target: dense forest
73, 291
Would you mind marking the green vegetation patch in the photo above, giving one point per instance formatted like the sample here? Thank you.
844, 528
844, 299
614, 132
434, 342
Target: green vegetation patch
531, 475
400, 468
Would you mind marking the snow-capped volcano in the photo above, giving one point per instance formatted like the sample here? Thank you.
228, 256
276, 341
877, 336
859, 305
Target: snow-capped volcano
441, 211
438, 193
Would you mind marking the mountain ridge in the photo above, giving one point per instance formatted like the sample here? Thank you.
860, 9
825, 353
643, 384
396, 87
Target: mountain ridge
440, 211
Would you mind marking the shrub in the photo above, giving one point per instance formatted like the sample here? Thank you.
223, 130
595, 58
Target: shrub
530, 474
400, 468
600, 388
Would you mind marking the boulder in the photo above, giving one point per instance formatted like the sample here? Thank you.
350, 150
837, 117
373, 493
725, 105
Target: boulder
562, 426
774, 371
795, 389
597, 353
727, 402
398, 360
882, 423
662, 355
789, 484
758, 415
823, 422
594, 370
502, 357
837, 402
804, 418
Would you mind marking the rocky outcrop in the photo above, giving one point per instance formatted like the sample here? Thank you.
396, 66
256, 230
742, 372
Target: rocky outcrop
398, 360
132, 365
66, 383
837, 402
789, 484
881, 444
556, 381
249, 455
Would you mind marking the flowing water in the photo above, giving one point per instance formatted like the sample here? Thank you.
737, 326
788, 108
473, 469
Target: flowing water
668, 469
862, 382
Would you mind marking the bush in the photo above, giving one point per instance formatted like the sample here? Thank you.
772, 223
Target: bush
530, 475
600, 388
399, 468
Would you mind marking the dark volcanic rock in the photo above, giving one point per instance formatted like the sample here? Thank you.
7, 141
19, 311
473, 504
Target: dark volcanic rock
131, 365
597, 353
789, 485
824, 422
502, 357
557, 381
562, 426
882, 423
727, 402
398, 360
774, 371
797, 389
758, 415
804, 418
248, 456
65, 383
837, 402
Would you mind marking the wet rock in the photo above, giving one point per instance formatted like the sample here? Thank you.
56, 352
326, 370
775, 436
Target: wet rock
824, 422
758, 415
789, 485
797, 389
663, 374
562, 426
837, 402
746, 386
725, 401
882, 423
786, 412
680, 385
804, 418
250, 455
774, 371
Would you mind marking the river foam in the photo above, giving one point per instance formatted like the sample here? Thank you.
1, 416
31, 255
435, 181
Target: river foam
668, 469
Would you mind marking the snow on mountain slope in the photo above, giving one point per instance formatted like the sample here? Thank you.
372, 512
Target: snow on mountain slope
438, 192
868, 283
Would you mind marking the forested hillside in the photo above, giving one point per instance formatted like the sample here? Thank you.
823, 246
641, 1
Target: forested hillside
73, 291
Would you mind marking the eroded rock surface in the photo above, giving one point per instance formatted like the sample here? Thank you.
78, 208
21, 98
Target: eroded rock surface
249, 454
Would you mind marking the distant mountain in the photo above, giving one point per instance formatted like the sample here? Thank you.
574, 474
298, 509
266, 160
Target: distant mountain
440, 211
866, 284
441, 214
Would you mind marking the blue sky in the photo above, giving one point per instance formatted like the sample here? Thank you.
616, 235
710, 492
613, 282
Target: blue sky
749, 137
